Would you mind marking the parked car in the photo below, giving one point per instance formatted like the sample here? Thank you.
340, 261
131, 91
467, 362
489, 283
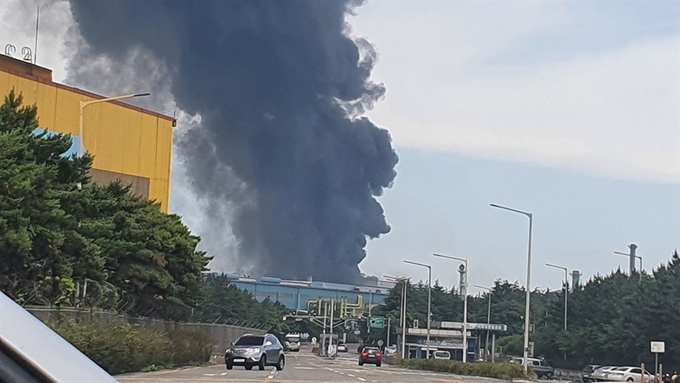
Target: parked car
444, 355
629, 374
586, 374
342, 347
370, 355
538, 366
600, 373
255, 350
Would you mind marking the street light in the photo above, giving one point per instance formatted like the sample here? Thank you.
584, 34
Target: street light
488, 317
528, 293
465, 310
404, 313
566, 289
429, 299
83, 104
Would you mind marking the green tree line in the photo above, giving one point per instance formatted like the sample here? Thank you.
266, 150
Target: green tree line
611, 319
67, 241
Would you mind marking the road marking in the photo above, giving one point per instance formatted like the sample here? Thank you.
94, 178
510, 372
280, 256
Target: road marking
224, 373
353, 375
305, 368
216, 374
272, 373
363, 380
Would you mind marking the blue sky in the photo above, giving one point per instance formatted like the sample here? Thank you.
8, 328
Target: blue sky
440, 203
567, 109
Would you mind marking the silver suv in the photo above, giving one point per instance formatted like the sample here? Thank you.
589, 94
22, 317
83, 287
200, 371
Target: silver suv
255, 350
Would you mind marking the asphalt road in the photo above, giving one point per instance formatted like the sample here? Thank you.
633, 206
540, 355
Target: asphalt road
302, 367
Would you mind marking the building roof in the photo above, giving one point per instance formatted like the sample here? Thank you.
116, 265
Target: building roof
383, 288
43, 75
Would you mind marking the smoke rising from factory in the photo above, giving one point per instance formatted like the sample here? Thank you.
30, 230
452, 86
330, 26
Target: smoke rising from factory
280, 88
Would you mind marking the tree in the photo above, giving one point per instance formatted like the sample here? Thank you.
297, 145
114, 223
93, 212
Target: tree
58, 230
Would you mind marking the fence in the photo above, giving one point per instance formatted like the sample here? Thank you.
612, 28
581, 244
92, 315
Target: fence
221, 335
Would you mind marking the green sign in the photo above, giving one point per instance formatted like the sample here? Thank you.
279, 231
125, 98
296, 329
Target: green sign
376, 322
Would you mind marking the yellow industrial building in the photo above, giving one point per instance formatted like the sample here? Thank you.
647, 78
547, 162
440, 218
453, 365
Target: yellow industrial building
128, 143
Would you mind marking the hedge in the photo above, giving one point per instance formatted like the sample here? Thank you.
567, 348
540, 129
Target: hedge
504, 371
120, 348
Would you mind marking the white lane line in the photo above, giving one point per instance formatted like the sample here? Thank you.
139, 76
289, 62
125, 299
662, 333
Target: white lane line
224, 373
272, 373
353, 375
363, 380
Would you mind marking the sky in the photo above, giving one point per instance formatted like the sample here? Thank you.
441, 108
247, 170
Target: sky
568, 110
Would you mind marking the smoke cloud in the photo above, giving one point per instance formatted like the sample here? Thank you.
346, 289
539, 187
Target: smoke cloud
281, 89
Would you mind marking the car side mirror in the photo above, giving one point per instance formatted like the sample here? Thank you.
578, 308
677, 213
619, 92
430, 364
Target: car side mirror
268, 343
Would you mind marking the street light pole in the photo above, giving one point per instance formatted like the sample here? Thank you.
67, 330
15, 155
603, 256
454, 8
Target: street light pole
83, 104
404, 314
488, 318
566, 289
528, 292
429, 299
465, 309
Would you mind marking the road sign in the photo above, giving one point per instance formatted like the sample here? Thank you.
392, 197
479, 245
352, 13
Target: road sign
380, 343
376, 322
658, 347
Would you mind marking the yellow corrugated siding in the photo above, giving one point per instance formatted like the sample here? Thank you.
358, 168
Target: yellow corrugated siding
123, 140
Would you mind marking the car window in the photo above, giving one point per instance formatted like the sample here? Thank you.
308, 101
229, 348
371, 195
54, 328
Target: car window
250, 340
636, 371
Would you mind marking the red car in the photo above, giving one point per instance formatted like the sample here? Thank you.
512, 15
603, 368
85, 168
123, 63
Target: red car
370, 355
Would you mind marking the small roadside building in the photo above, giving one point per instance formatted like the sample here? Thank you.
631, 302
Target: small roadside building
448, 336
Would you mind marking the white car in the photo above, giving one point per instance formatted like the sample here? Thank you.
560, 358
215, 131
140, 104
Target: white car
342, 347
444, 355
629, 374
292, 342
600, 373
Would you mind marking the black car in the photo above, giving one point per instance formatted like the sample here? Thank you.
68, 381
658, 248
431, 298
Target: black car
370, 355
587, 373
255, 350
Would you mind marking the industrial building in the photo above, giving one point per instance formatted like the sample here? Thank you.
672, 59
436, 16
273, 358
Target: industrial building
128, 143
297, 295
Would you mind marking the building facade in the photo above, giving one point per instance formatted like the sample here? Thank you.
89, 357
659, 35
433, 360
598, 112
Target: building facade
299, 295
128, 143
448, 336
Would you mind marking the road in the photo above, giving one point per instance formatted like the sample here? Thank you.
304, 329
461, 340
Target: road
302, 367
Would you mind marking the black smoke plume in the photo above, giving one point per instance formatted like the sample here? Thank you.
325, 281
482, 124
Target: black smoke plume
281, 88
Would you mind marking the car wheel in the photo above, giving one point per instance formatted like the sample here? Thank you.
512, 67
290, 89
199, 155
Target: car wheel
378, 364
361, 363
281, 364
630, 380
230, 366
248, 367
263, 362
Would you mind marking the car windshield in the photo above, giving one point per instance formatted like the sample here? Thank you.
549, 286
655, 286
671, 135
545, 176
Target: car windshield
371, 350
442, 354
250, 341
293, 339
